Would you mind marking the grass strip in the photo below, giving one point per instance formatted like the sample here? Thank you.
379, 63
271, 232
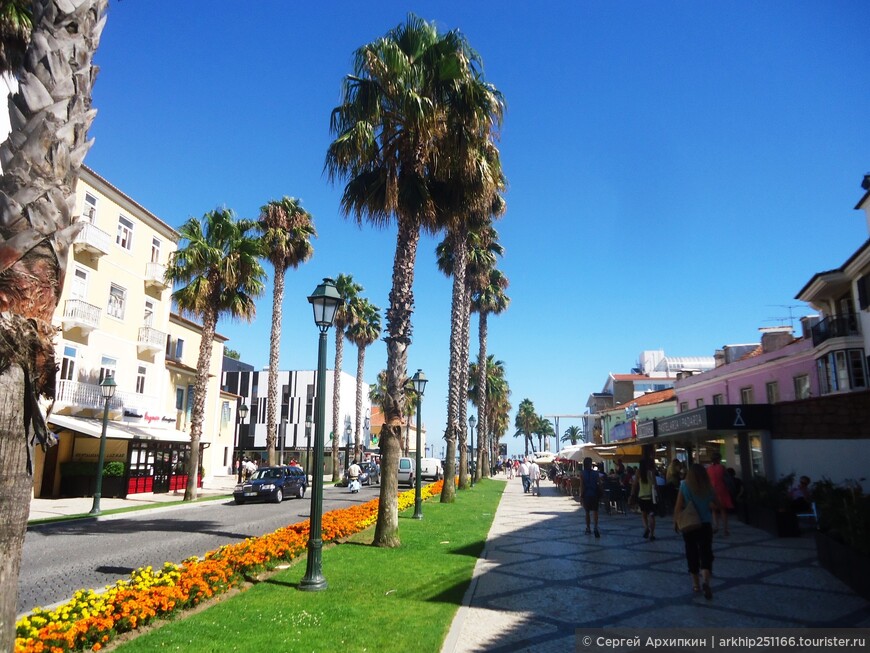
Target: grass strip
378, 600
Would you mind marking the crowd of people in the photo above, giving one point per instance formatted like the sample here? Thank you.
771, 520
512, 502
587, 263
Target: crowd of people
656, 491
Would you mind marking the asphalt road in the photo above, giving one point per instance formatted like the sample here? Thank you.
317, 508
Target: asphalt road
61, 558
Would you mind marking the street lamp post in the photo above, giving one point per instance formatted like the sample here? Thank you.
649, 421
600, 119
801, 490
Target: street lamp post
367, 424
107, 389
418, 381
348, 434
471, 423
324, 301
241, 416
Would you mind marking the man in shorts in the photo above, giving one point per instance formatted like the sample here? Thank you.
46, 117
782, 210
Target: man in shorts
590, 493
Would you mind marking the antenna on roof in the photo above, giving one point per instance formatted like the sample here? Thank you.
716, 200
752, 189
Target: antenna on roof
782, 320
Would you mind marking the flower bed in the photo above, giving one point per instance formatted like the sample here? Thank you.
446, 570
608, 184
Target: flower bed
92, 619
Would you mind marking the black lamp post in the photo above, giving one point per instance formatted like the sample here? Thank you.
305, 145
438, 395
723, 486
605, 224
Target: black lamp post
241, 416
418, 381
107, 389
471, 423
324, 301
348, 433
366, 427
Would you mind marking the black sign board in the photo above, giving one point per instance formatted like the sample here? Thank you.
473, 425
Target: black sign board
729, 417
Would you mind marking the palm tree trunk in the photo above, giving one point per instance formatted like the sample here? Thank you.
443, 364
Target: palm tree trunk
398, 339
455, 432
360, 369
50, 117
200, 388
465, 312
336, 399
482, 375
274, 357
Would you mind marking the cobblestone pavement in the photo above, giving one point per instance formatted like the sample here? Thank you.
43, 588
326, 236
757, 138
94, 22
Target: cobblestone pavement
540, 578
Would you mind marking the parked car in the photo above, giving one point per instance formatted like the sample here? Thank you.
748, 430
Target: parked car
272, 484
406, 471
430, 468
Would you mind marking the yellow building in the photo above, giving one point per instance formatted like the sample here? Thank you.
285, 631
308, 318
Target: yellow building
114, 319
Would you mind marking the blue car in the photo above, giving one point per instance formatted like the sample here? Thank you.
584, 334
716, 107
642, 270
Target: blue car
272, 484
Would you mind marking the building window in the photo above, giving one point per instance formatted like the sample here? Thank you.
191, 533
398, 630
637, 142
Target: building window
140, 380
68, 366
746, 395
107, 367
225, 414
179, 398
802, 386
718, 400
842, 370
684, 406
699, 403
79, 288
117, 300
772, 392
864, 292
90, 212
125, 233
174, 348
155, 250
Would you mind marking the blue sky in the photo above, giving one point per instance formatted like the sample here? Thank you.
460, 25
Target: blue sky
677, 170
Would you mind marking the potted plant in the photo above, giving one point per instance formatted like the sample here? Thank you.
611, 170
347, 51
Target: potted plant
769, 506
843, 536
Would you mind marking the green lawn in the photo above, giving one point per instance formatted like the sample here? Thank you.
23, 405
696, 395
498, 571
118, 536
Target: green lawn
378, 600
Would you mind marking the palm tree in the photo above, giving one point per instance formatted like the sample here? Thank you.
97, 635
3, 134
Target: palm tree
491, 406
50, 116
365, 329
572, 434
219, 273
488, 297
286, 230
394, 108
348, 290
526, 422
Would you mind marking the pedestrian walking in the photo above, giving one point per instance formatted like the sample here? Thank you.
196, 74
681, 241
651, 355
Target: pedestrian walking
590, 493
524, 474
697, 490
717, 473
643, 490
535, 477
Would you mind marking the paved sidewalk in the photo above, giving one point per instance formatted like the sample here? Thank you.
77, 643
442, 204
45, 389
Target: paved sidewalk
540, 578
52, 508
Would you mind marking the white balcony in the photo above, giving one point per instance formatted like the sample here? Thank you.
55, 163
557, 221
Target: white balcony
81, 396
155, 276
78, 314
92, 240
150, 340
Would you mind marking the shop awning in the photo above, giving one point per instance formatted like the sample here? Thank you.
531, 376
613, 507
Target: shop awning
626, 450
116, 430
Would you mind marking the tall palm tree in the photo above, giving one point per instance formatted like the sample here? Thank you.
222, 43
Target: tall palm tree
572, 434
286, 230
393, 110
526, 422
348, 290
491, 403
488, 298
218, 273
50, 116
365, 329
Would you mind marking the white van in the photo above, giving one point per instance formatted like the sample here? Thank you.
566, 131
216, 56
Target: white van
406, 471
430, 468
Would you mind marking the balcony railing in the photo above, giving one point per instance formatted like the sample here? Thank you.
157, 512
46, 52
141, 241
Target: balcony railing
150, 340
83, 395
78, 314
92, 240
155, 276
835, 327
